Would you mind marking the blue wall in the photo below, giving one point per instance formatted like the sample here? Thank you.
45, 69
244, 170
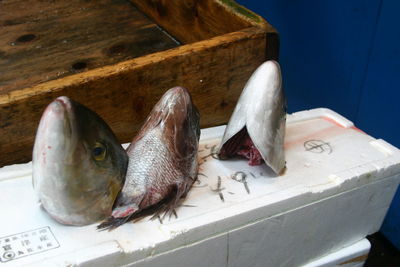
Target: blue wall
344, 55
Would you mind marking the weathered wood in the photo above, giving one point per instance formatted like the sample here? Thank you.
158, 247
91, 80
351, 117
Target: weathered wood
214, 71
42, 40
120, 80
195, 20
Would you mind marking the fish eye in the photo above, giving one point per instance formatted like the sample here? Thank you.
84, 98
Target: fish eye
99, 151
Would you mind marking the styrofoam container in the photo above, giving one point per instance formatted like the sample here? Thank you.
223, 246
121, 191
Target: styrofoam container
351, 256
336, 190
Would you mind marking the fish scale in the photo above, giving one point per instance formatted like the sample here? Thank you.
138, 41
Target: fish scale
146, 158
162, 160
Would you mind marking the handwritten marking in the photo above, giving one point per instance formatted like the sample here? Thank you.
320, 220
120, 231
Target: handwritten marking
241, 178
317, 146
219, 189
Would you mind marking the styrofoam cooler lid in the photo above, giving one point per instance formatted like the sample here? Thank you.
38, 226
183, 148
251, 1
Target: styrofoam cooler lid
326, 156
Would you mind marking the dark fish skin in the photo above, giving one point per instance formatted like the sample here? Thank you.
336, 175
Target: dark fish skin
78, 164
162, 160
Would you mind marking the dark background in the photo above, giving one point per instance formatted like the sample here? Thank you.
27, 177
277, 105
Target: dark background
343, 55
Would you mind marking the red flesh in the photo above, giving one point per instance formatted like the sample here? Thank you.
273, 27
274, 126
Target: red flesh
241, 145
250, 152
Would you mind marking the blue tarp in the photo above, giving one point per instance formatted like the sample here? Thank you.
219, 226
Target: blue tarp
344, 55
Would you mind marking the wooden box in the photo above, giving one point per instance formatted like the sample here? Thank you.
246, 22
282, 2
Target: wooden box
118, 57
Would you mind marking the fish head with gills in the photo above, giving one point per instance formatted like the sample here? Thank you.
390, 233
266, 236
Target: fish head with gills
78, 165
178, 119
162, 160
256, 129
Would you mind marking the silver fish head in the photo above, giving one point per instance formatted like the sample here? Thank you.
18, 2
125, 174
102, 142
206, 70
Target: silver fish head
256, 129
78, 165
162, 159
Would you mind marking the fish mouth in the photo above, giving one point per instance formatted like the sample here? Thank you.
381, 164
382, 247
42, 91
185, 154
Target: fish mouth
175, 98
58, 111
57, 130
65, 103
178, 111
63, 110
178, 90
173, 109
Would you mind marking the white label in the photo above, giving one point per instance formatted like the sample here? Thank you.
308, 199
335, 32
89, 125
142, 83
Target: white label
27, 243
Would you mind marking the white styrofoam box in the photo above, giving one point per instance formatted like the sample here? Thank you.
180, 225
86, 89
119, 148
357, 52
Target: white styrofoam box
336, 190
351, 256
215, 254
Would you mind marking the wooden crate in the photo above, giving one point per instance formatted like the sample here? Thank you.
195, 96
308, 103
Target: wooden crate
118, 57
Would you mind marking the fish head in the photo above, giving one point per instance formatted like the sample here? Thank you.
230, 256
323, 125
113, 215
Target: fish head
167, 144
256, 129
179, 120
78, 164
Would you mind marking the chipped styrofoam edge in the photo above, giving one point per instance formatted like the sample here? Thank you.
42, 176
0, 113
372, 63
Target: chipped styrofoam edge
384, 147
319, 113
351, 254
365, 173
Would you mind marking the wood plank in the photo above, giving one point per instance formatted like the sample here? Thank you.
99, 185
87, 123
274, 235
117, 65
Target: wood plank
214, 71
43, 40
195, 20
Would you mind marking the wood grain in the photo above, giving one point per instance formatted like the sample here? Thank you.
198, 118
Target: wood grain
195, 20
214, 71
43, 40
119, 75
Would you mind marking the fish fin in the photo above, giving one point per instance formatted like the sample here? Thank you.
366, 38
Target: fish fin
172, 202
112, 222
165, 207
